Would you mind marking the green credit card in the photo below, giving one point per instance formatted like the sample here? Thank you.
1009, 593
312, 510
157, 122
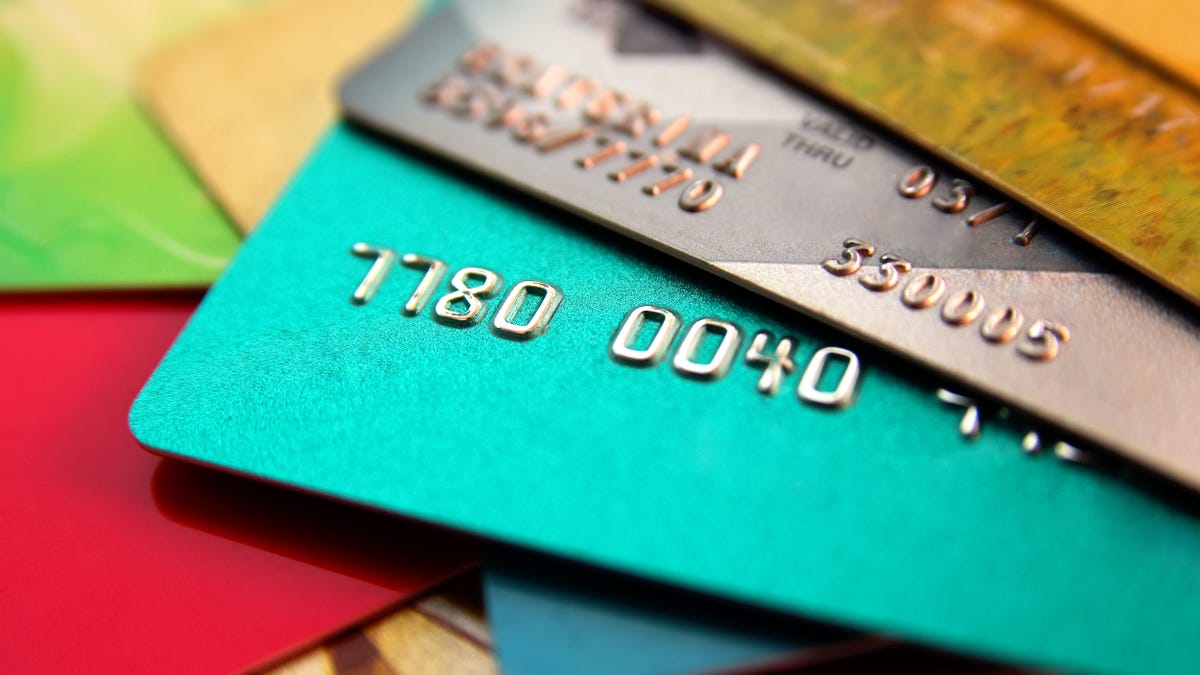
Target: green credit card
377, 340
91, 196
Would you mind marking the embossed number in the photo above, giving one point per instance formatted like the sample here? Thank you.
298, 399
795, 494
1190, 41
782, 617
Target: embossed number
718, 364
960, 197
890, 268
776, 364
489, 285
549, 298
622, 348
853, 254
843, 393
1042, 340
923, 291
917, 183
435, 271
385, 259
1002, 325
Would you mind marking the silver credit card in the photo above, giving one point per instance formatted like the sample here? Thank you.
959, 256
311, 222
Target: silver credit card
651, 131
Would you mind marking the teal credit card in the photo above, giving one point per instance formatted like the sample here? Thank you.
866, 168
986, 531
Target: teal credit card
849, 495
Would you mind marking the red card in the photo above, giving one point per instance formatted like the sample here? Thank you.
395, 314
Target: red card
115, 560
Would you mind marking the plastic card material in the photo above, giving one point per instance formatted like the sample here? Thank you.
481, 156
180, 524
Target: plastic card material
116, 561
307, 366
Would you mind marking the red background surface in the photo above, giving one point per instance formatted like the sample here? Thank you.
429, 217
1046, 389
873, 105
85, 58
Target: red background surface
113, 560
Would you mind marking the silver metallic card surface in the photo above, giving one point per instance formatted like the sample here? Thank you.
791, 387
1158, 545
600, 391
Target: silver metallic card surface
659, 135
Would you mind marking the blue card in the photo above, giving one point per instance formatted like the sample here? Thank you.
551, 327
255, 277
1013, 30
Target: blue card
549, 617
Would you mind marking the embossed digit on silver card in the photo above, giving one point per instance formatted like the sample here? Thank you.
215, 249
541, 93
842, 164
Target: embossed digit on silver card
704, 144
549, 298
854, 252
385, 259
924, 291
643, 163
843, 394
718, 364
1002, 325
739, 162
1042, 340
962, 308
489, 285
777, 364
435, 271
679, 176
1025, 236
890, 268
960, 197
602, 155
917, 183
988, 214
530, 128
446, 92
622, 348
701, 195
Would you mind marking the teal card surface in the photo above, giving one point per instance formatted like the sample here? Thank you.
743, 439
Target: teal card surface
878, 514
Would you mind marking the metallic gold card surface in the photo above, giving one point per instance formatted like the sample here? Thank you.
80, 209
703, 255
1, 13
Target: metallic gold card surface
1164, 30
246, 100
1055, 115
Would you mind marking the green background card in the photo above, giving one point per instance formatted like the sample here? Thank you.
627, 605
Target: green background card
880, 516
91, 196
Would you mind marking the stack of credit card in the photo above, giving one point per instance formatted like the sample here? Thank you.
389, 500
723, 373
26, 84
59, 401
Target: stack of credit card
601, 336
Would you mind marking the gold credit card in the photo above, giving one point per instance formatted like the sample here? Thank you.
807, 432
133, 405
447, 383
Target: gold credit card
1053, 114
245, 101
1164, 30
